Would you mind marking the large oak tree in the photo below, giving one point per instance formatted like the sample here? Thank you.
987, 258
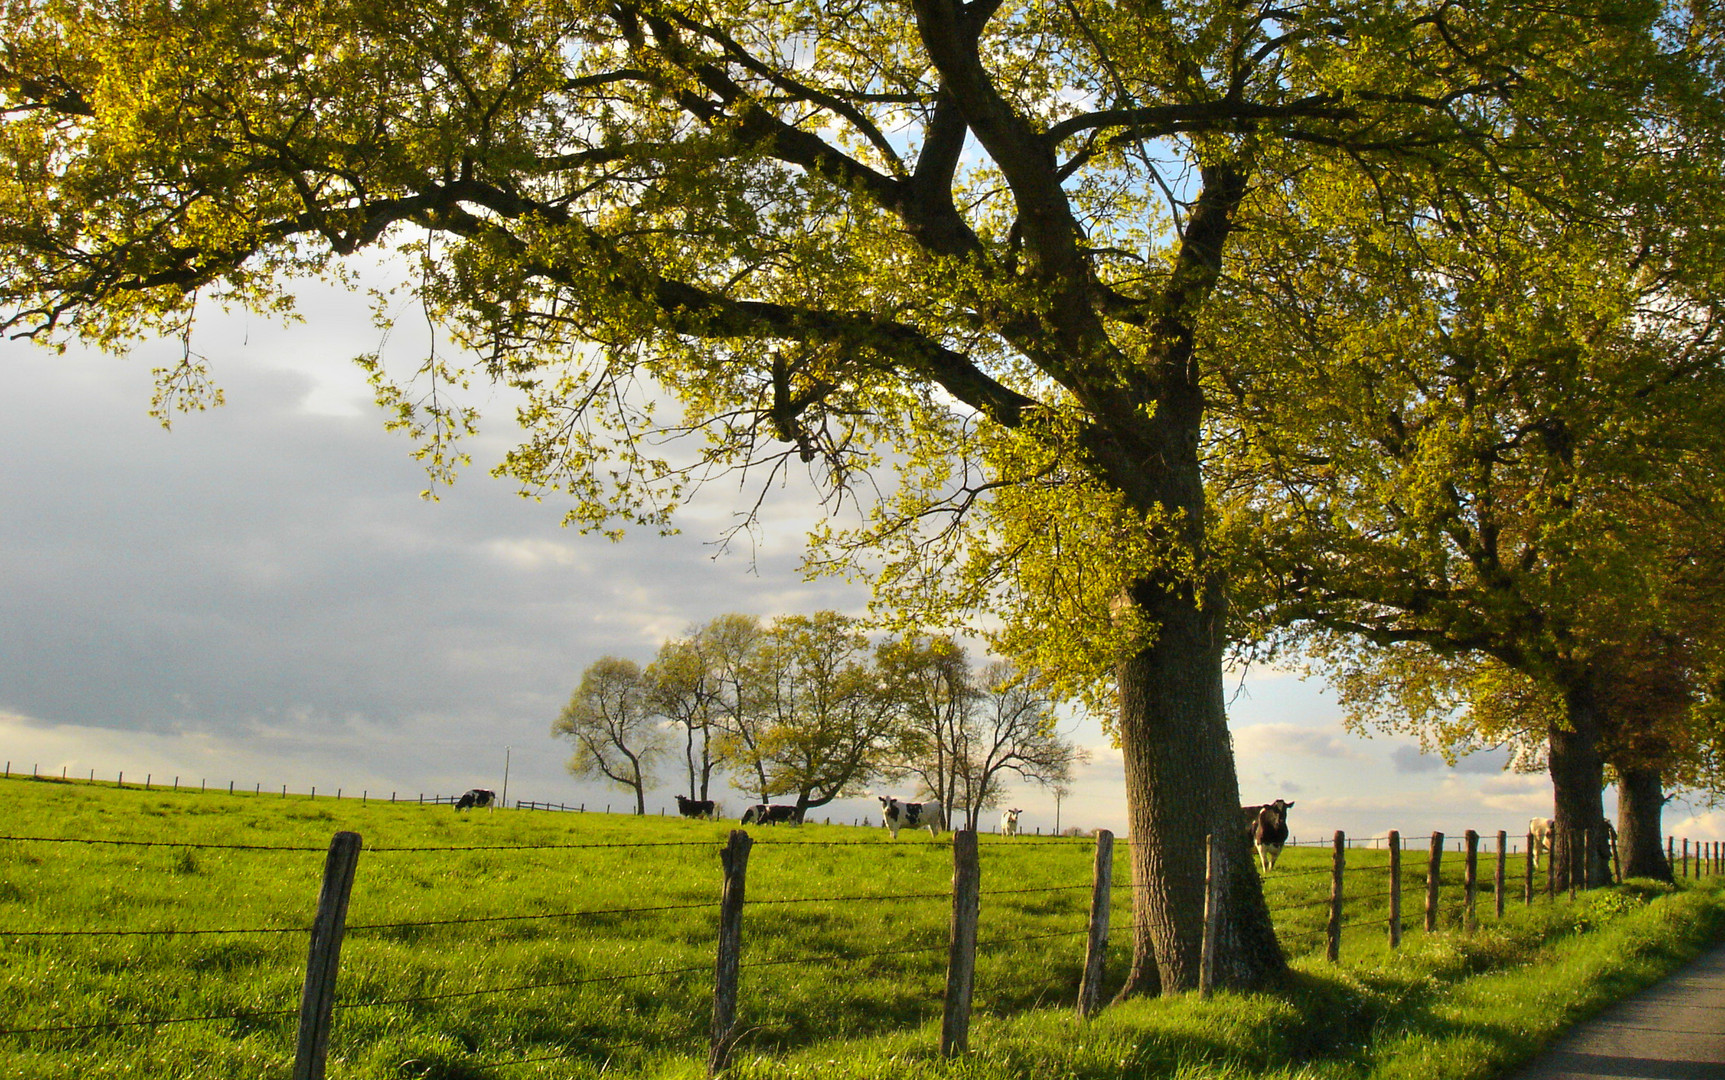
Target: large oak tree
983, 236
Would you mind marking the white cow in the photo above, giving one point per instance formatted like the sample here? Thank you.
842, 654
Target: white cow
911, 815
1009, 822
1541, 830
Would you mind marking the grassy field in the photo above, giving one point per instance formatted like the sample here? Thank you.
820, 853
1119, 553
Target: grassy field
514, 944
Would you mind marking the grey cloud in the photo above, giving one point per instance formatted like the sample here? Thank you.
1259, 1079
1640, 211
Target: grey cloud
260, 565
1409, 759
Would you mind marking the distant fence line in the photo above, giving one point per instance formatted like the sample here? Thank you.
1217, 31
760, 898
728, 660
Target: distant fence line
419, 798
319, 1003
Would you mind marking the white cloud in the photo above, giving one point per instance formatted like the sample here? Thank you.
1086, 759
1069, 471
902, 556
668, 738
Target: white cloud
531, 553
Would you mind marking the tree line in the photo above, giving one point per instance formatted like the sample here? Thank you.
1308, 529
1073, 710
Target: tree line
804, 708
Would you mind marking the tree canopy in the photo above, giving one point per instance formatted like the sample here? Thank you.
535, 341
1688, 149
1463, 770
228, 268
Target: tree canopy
1474, 473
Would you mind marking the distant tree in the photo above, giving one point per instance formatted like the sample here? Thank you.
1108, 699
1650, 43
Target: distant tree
935, 701
961, 731
1014, 731
683, 687
824, 719
728, 645
616, 734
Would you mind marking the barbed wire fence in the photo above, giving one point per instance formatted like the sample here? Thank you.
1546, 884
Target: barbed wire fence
319, 1003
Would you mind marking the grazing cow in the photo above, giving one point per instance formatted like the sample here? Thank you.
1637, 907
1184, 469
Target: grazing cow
763, 814
476, 797
1541, 829
695, 808
911, 815
1267, 825
1009, 822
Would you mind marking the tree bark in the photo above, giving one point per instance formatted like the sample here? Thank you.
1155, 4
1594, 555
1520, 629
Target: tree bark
1640, 824
1180, 787
1577, 779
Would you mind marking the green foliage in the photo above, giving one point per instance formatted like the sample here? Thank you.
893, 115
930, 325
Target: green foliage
1469, 472
616, 735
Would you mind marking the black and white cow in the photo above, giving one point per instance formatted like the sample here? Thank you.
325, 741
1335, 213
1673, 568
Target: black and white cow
911, 815
763, 814
695, 808
476, 797
1267, 825
1009, 822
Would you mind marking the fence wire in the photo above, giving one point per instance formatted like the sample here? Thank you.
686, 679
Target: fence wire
251, 1014
1413, 883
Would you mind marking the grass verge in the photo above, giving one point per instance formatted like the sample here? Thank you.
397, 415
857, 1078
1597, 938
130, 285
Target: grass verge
1450, 1007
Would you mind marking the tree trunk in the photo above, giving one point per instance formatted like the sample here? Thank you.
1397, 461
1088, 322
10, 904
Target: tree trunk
689, 758
1181, 787
1640, 824
706, 760
1577, 780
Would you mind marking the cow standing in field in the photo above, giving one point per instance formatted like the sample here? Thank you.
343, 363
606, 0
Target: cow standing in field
1267, 825
1540, 829
695, 808
764, 814
1009, 822
911, 815
476, 797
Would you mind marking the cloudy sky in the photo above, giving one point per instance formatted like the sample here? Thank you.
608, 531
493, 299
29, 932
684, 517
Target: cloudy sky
261, 596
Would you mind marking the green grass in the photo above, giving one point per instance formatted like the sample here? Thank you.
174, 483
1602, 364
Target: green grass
813, 1002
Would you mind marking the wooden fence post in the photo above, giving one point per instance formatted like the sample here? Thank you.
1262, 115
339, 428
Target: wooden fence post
1685, 856
1096, 946
1569, 860
734, 857
1470, 882
1497, 881
961, 953
1434, 865
1395, 889
1333, 929
317, 998
1212, 919
1551, 865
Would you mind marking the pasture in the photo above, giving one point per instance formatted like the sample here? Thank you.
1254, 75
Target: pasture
558, 945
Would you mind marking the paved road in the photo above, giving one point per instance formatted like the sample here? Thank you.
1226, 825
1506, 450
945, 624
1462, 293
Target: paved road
1674, 1030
